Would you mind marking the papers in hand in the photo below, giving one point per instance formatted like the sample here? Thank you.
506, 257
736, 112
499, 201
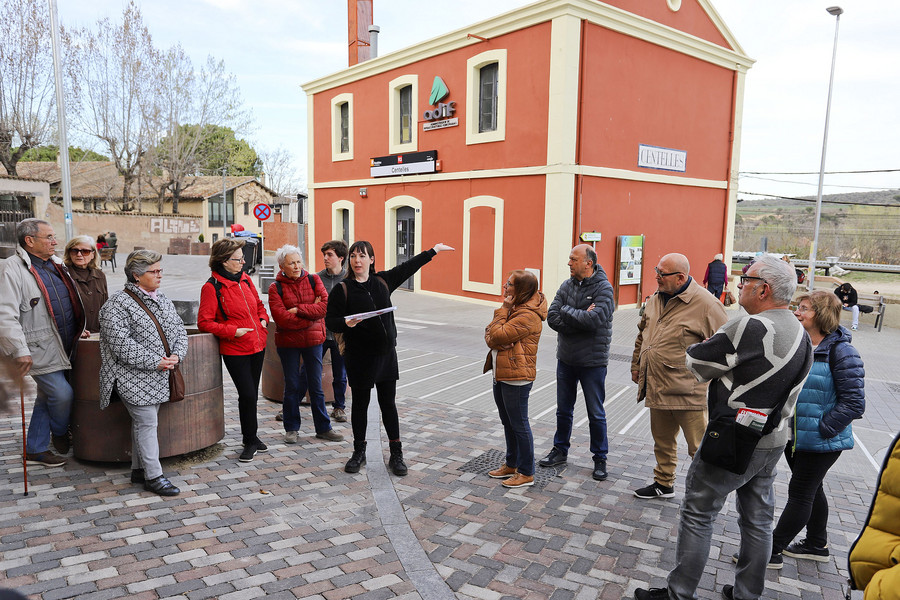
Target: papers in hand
754, 419
367, 315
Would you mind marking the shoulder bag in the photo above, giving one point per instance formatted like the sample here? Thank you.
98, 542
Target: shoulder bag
176, 379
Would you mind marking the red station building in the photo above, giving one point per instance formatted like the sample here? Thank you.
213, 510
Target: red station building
512, 139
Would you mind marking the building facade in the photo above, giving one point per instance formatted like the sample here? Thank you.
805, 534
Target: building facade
514, 137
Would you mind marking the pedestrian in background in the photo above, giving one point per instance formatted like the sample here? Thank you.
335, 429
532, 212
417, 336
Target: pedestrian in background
84, 266
371, 344
849, 301
716, 276
135, 365
298, 301
230, 309
512, 336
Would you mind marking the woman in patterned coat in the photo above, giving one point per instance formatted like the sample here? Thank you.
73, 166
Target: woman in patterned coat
135, 367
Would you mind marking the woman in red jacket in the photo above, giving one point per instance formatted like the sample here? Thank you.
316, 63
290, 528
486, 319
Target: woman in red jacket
298, 302
231, 310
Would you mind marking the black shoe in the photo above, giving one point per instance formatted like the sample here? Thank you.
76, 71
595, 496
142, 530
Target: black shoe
395, 462
260, 447
61, 443
655, 490
556, 457
803, 549
728, 592
137, 476
358, 459
776, 561
161, 486
280, 416
600, 473
248, 453
651, 594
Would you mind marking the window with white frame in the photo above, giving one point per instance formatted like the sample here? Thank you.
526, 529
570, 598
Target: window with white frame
342, 127
402, 110
486, 95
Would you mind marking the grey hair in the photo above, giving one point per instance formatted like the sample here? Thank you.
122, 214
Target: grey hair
138, 262
282, 253
780, 276
28, 227
718, 257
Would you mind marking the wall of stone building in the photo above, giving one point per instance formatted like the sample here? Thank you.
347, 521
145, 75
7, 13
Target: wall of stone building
151, 231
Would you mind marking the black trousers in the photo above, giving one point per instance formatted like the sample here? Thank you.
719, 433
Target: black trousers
245, 371
807, 505
387, 401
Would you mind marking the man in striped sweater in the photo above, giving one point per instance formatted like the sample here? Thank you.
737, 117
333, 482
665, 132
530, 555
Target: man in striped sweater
757, 361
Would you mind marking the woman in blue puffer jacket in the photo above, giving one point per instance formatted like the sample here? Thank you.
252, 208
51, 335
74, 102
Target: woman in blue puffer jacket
832, 397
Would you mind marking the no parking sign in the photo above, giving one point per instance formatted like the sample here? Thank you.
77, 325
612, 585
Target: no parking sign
262, 211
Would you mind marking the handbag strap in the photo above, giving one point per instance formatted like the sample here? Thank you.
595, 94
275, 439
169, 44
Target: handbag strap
153, 318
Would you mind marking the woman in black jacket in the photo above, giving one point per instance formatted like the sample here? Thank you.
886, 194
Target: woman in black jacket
370, 352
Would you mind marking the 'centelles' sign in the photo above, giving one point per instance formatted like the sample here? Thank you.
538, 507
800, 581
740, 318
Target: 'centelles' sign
441, 115
403, 164
666, 159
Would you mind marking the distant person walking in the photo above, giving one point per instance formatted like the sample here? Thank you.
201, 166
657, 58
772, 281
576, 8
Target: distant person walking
231, 310
716, 276
371, 344
512, 336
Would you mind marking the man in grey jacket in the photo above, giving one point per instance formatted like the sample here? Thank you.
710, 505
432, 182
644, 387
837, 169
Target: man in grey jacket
581, 314
759, 362
334, 255
41, 320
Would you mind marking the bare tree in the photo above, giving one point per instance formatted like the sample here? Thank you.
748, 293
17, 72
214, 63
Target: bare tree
115, 77
281, 172
27, 99
190, 101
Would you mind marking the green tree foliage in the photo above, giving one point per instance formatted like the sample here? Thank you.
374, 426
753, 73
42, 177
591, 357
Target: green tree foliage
220, 147
48, 152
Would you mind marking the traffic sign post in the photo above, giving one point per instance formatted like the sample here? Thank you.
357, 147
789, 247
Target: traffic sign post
262, 212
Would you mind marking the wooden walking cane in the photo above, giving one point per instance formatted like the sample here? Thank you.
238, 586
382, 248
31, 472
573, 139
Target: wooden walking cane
24, 439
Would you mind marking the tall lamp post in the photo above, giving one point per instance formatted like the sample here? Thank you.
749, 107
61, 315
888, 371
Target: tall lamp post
837, 11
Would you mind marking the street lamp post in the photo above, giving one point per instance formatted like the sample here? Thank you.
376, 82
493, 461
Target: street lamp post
836, 11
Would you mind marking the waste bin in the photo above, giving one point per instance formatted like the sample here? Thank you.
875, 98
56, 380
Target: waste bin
251, 252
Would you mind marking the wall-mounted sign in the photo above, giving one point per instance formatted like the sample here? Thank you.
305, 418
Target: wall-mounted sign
665, 159
442, 115
403, 164
590, 236
631, 255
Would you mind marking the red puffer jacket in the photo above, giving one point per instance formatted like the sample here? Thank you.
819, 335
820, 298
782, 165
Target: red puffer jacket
243, 308
306, 327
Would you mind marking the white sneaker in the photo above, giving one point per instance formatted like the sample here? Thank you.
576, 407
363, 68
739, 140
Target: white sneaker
290, 437
854, 327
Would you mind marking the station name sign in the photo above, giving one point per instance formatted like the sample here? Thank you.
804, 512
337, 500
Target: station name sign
403, 164
665, 159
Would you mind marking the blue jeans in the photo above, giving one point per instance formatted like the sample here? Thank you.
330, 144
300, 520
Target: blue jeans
706, 489
52, 409
593, 384
512, 404
295, 387
338, 374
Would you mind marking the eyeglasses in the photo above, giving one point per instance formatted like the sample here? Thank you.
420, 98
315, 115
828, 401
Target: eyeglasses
44, 237
804, 309
155, 271
661, 274
237, 259
81, 251
746, 278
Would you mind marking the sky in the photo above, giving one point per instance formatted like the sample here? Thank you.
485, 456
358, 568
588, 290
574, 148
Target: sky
274, 46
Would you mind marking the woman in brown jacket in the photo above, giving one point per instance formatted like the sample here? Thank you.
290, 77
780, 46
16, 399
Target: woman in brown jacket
84, 267
513, 337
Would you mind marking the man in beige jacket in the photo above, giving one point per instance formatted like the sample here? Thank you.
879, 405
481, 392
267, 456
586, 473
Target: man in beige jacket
679, 314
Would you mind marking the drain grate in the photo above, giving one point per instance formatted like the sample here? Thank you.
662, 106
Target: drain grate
492, 459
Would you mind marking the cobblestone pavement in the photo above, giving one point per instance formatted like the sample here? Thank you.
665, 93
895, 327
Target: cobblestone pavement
292, 524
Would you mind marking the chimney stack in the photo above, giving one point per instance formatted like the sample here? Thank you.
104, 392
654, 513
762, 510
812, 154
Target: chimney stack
359, 18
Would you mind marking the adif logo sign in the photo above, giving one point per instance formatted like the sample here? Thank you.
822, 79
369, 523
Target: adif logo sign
439, 91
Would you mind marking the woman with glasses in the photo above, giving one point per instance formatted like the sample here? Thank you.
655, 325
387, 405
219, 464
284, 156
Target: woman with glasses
230, 309
84, 267
298, 301
513, 337
135, 364
832, 397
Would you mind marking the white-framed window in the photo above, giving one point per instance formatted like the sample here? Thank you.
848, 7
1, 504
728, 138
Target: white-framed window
493, 286
486, 95
342, 127
403, 110
343, 221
